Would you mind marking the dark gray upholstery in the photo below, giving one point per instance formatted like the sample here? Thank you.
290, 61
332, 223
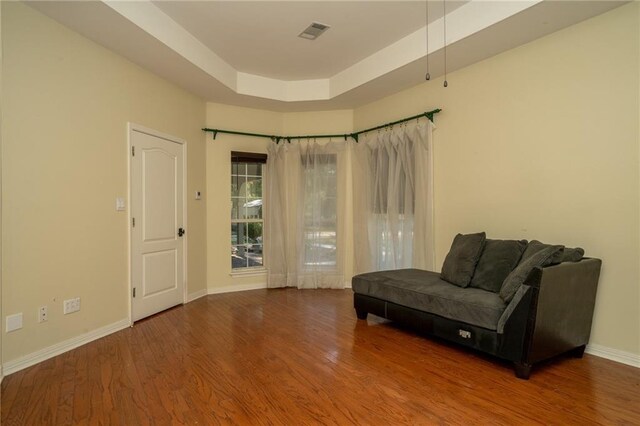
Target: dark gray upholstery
544, 308
573, 254
542, 258
426, 291
535, 246
497, 260
462, 258
511, 307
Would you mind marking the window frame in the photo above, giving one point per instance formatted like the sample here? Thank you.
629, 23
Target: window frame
246, 158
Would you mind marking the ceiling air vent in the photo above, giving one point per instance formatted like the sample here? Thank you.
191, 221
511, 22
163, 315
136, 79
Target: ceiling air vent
313, 31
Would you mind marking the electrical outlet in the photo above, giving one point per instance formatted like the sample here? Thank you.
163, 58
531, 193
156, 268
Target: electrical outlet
71, 305
42, 314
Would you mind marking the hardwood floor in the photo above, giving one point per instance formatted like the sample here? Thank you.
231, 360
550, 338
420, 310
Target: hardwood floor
300, 357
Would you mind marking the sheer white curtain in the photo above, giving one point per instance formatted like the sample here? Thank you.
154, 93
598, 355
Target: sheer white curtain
305, 214
393, 198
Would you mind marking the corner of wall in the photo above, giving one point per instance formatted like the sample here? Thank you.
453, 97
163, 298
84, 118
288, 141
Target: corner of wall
228, 117
1, 180
616, 355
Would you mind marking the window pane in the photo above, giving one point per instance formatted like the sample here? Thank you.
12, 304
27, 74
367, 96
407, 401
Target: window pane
254, 249
254, 187
238, 257
253, 209
254, 232
328, 209
238, 210
246, 256
320, 248
234, 168
238, 186
320, 211
254, 169
234, 233
247, 253
238, 233
242, 233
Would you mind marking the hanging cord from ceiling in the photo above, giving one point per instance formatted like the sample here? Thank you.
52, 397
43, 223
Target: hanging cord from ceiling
429, 115
426, 28
444, 17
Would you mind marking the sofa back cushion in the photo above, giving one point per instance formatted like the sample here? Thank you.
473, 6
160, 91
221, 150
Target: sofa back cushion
498, 259
515, 279
461, 261
535, 246
573, 254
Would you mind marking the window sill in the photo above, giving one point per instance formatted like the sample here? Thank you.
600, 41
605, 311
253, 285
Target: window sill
249, 272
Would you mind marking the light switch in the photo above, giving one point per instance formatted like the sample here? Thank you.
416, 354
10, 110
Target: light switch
198, 195
120, 204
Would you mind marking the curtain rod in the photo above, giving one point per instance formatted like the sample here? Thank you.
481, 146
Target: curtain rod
354, 135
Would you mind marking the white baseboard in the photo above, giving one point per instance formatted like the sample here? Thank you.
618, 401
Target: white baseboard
236, 287
614, 355
64, 346
196, 295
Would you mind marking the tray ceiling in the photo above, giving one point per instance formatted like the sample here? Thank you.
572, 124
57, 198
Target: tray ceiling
248, 53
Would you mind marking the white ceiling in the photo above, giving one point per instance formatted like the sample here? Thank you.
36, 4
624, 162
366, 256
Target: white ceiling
262, 37
247, 52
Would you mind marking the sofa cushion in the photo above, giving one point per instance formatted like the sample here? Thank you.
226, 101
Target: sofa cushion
426, 291
515, 279
535, 246
497, 260
573, 254
461, 261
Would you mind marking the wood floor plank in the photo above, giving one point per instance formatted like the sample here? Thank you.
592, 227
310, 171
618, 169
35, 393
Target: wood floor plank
284, 357
64, 414
9, 392
15, 414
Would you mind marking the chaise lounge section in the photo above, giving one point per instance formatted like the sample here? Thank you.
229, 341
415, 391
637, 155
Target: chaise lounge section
546, 309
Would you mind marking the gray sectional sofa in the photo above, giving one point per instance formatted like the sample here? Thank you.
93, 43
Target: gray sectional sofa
522, 302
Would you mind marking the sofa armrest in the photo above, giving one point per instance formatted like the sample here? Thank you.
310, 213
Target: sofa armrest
563, 309
513, 324
551, 312
519, 304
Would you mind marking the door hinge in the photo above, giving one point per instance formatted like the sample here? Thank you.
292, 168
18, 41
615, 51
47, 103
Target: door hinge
133, 222
133, 151
134, 292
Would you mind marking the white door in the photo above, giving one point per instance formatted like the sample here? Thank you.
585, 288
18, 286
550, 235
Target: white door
157, 210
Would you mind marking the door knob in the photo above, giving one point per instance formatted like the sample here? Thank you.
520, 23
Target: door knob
181, 232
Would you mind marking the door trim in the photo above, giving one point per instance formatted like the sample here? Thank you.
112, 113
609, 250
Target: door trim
133, 127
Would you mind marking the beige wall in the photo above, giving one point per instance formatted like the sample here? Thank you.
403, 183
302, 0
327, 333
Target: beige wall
219, 168
318, 122
541, 142
538, 142
66, 104
1, 121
